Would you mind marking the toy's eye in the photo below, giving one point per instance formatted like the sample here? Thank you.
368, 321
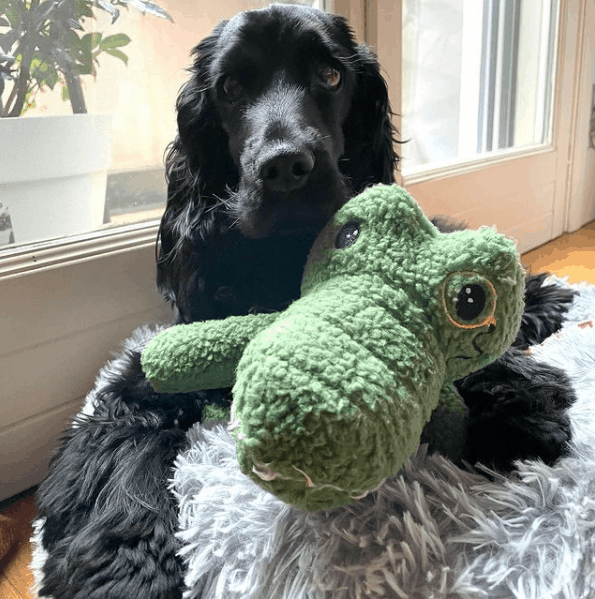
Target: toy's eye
469, 300
347, 235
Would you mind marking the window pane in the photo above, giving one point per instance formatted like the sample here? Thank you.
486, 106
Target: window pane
477, 77
131, 71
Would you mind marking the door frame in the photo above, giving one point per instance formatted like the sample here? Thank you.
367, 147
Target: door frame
580, 189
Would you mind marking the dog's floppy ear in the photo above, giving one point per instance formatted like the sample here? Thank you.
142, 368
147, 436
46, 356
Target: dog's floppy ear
370, 136
198, 169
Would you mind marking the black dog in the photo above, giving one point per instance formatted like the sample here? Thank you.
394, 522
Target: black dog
283, 119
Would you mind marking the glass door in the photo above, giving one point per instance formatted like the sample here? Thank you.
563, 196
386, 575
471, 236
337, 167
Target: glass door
486, 96
478, 77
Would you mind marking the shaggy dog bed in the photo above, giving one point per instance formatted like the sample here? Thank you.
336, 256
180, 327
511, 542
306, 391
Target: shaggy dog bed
432, 531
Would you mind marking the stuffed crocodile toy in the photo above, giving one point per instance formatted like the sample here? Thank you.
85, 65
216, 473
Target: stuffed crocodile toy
331, 395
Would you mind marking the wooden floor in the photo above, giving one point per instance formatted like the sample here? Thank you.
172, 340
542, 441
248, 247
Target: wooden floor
572, 255
15, 578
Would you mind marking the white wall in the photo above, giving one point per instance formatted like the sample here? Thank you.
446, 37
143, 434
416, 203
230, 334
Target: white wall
59, 326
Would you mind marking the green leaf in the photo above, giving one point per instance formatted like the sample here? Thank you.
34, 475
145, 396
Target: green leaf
52, 79
65, 94
42, 72
120, 55
85, 9
114, 41
71, 41
96, 39
36, 64
90, 41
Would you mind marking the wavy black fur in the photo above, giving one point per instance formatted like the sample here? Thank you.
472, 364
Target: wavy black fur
109, 518
230, 245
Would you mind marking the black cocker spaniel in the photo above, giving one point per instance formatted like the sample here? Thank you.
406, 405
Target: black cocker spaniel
283, 119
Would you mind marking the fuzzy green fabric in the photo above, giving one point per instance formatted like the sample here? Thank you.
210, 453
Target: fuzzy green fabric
331, 395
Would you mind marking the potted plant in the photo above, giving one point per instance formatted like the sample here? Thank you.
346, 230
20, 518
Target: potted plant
43, 43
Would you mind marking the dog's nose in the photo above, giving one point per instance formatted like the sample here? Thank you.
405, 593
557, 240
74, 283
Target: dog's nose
287, 171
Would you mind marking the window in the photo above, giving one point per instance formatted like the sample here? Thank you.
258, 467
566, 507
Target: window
477, 78
131, 70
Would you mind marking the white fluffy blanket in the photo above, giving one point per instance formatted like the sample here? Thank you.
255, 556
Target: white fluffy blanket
431, 532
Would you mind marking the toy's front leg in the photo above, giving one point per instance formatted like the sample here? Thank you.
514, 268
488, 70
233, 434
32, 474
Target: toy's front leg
201, 355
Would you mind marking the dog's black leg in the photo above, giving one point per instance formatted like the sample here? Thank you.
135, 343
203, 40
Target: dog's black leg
109, 516
517, 410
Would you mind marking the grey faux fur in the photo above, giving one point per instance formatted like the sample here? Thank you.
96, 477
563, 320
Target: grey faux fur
431, 532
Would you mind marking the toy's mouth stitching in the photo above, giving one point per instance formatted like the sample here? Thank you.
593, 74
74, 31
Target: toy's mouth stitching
266, 473
476, 347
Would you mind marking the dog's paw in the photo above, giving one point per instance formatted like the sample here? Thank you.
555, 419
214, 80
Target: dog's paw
517, 410
546, 305
502, 436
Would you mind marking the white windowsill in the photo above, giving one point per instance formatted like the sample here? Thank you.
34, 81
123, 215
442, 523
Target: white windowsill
45, 255
455, 168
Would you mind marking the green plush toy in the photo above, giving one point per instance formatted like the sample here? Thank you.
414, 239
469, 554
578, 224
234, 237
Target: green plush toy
331, 395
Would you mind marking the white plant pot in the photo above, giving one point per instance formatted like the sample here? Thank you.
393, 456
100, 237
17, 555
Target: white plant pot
53, 173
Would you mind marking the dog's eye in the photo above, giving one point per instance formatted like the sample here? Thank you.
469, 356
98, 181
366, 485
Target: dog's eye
232, 89
469, 299
329, 76
347, 235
